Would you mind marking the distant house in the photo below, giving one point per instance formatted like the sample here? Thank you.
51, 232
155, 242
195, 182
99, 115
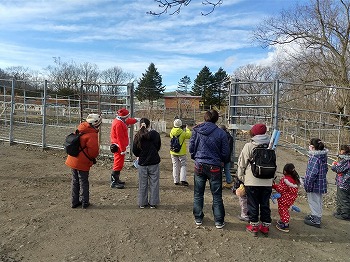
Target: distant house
179, 100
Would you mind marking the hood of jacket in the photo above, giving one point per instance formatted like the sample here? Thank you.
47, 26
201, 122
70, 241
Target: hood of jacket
176, 131
205, 128
344, 157
261, 139
85, 128
321, 154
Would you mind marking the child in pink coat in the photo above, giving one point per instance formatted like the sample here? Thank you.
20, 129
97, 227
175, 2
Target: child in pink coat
288, 188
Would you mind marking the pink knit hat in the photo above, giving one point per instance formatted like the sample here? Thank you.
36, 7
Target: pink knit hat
258, 129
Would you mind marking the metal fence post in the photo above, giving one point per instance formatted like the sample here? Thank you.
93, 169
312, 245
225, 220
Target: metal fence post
233, 102
130, 103
13, 102
43, 130
81, 100
276, 99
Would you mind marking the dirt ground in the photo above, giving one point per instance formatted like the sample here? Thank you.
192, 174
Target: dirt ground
38, 224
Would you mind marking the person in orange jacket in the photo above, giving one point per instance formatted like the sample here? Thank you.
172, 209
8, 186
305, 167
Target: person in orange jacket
120, 137
82, 163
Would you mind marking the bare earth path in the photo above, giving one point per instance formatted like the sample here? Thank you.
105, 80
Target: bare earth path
38, 224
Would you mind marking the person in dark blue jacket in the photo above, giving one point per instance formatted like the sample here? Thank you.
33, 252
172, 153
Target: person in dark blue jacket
315, 182
209, 149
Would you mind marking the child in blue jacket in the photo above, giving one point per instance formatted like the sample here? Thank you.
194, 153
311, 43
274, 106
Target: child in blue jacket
342, 180
315, 182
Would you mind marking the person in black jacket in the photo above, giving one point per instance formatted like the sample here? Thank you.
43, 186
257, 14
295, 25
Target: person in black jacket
227, 164
146, 145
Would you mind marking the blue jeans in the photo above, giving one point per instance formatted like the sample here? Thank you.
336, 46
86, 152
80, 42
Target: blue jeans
202, 173
228, 177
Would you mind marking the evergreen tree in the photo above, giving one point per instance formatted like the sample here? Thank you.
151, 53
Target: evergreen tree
150, 85
184, 83
202, 86
220, 88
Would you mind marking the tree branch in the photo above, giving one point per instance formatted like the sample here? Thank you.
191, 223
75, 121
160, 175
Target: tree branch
174, 6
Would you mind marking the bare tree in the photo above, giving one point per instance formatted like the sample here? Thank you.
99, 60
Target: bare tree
89, 74
174, 6
321, 29
115, 75
64, 76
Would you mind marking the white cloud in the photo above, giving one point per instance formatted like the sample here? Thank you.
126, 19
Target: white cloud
120, 33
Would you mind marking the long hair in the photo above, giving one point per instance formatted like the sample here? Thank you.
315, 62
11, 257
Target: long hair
289, 169
142, 134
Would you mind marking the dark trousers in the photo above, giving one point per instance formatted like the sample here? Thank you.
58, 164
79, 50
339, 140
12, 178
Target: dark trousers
258, 200
80, 186
343, 203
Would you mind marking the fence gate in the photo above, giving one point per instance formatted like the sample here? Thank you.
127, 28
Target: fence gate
250, 103
300, 111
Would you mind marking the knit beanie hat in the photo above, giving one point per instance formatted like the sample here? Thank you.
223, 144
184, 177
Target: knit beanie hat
258, 129
177, 123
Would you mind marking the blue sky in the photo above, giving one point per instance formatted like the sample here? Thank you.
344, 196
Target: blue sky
112, 33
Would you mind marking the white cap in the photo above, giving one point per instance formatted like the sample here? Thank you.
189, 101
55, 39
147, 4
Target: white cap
177, 123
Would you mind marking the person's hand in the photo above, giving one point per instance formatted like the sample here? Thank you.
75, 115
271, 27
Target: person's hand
94, 161
123, 153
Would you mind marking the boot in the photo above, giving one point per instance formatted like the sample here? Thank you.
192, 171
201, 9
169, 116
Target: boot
253, 228
117, 176
115, 182
264, 228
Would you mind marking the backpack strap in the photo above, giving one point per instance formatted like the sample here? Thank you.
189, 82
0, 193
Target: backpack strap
82, 148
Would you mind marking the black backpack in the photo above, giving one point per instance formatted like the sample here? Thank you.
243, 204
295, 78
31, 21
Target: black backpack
263, 162
175, 145
72, 144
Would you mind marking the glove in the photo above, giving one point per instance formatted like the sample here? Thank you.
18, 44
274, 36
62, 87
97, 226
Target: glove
94, 161
114, 148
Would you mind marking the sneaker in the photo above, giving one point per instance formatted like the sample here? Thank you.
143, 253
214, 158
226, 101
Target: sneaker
152, 206
308, 217
245, 219
85, 205
198, 221
311, 222
227, 185
184, 183
219, 225
264, 229
144, 206
252, 229
76, 205
117, 185
177, 183
121, 182
282, 226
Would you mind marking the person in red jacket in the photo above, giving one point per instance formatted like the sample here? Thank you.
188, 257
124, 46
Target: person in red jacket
120, 137
81, 164
288, 188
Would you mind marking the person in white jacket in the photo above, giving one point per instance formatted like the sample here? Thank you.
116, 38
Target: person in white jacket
258, 190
